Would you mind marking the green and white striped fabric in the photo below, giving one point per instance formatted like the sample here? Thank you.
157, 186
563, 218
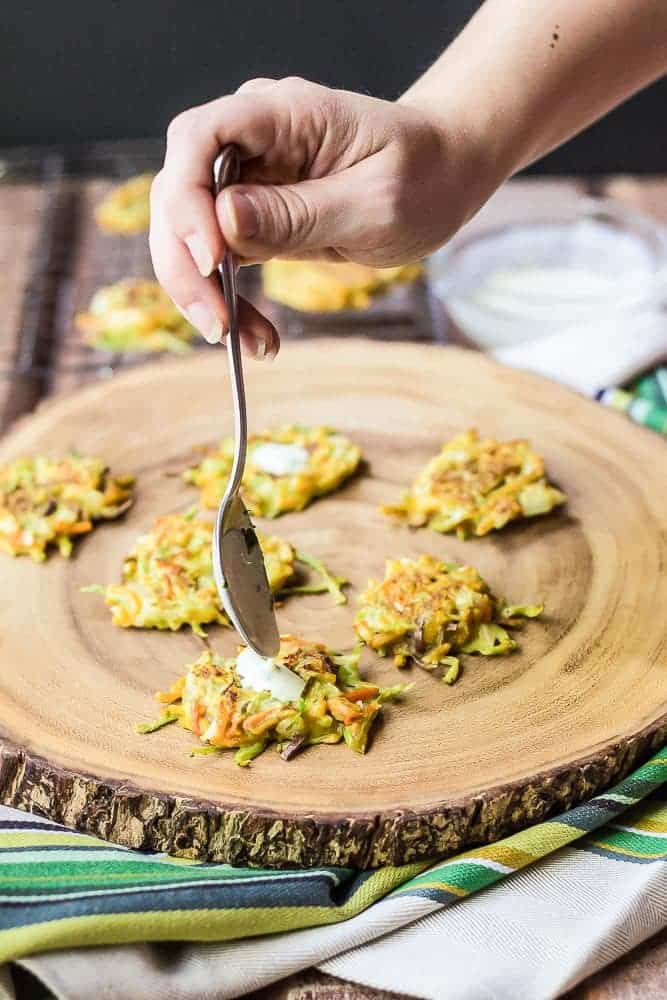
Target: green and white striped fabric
61, 889
644, 401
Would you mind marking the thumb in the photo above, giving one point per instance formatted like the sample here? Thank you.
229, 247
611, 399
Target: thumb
261, 221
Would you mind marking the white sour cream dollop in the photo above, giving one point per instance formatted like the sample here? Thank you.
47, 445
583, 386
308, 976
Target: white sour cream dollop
280, 459
261, 673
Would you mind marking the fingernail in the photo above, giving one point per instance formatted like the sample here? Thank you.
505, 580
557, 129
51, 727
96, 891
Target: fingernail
205, 320
260, 350
253, 347
272, 352
200, 254
256, 348
243, 214
266, 351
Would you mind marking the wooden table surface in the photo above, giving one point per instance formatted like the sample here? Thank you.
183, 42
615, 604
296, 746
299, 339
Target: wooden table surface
52, 257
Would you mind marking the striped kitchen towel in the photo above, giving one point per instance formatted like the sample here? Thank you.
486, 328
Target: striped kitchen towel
644, 401
592, 356
60, 890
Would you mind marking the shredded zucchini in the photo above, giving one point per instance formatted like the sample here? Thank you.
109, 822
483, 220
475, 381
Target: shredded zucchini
168, 577
135, 315
332, 459
48, 502
126, 208
427, 610
473, 487
337, 704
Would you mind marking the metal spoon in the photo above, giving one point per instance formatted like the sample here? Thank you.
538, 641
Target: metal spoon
238, 562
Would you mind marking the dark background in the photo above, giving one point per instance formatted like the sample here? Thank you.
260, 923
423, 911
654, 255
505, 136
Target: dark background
107, 69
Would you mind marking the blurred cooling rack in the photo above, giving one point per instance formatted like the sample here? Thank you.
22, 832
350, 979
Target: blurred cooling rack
53, 257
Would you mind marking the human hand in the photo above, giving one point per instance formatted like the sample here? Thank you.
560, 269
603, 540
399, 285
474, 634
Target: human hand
326, 174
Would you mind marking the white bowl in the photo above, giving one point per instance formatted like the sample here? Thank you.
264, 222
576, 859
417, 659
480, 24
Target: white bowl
520, 282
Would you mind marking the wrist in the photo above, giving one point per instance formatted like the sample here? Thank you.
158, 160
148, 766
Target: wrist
475, 156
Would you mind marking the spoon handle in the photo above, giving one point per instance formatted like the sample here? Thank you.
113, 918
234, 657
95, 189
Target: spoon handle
227, 170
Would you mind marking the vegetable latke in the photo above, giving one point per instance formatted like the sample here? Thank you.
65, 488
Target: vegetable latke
126, 208
427, 610
330, 458
47, 501
323, 286
336, 704
168, 577
473, 487
135, 315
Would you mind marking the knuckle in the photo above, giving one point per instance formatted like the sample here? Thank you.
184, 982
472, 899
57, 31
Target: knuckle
281, 219
257, 83
169, 201
399, 201
295, 86
172, 201
293, 81
302, 217
293, 220
160, 267
168, 277
165, 266
391, 198
277, 225
156, 188
181, 127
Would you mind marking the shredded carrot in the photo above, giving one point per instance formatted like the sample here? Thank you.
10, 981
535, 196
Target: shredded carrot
197, 716
175, 692
73, 528
219, 736
263, 721
228, 741
343, 711
234, 729
361, 693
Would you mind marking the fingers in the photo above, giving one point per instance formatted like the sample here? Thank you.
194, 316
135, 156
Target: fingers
191, 221
194, 138
281, 128
201, 300
181, 198
185, 238
259, 337
260, 119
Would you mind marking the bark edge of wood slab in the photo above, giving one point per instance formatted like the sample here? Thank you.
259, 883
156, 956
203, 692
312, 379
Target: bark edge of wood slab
517, 739
206, 831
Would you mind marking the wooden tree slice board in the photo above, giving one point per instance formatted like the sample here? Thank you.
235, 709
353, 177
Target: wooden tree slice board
580, 704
